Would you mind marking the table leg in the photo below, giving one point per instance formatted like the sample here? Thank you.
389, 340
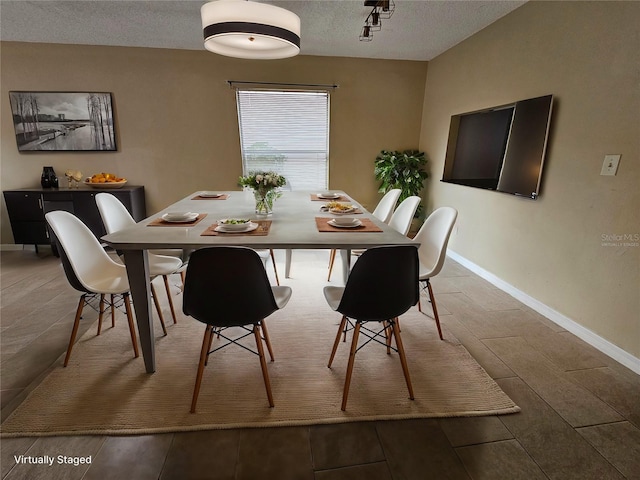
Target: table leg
346, 264
287, 263
137, 262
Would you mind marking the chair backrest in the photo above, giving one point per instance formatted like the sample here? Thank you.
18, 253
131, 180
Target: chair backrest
114, 214
386, 205
383, 284
227, 286
401, 218
84, 260
433, 237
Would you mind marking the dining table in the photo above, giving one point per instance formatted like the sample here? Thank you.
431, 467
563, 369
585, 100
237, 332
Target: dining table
299, 221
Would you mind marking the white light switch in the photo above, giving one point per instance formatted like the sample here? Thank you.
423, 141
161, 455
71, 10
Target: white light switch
610, 165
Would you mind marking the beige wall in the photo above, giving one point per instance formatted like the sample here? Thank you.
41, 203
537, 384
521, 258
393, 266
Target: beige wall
176, 119
586, 54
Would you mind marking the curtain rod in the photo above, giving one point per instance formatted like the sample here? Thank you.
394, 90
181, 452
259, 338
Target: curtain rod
234, 83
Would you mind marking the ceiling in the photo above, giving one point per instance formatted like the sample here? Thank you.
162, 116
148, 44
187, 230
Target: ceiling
418, 30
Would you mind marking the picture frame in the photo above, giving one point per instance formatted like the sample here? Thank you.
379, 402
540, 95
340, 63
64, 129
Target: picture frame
63, 121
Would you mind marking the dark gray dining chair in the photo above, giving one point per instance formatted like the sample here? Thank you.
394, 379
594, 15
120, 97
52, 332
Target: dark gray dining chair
382, 285
228, 287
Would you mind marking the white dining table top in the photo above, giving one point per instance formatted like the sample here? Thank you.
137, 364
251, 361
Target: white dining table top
293, 226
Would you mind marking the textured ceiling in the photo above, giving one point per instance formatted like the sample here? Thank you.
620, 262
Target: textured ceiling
418, 30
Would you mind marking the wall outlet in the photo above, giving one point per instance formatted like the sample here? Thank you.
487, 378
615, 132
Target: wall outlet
610, 165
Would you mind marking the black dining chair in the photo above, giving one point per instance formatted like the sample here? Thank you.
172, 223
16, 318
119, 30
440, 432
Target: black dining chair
228, 287
382, 285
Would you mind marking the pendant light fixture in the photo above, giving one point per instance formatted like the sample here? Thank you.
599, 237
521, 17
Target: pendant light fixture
373, 22
246, 29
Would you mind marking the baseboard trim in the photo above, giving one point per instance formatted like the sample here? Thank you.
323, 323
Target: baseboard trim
8, 247
596, 341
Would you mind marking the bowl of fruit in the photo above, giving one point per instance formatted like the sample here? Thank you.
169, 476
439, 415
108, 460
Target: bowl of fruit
105, 180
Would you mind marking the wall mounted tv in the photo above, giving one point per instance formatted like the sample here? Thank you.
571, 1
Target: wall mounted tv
500, 148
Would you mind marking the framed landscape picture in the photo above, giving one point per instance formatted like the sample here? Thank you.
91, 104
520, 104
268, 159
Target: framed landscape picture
63, 121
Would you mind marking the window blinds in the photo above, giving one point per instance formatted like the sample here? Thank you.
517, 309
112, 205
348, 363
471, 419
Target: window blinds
287, 132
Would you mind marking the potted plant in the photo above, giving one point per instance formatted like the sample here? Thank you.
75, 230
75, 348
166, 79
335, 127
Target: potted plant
403, 170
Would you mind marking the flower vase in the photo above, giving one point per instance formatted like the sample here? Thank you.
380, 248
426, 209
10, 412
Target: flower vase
264, 202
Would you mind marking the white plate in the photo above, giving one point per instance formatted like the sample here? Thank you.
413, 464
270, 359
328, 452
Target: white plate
179, 217
328, 195
356, 223
249, 227
210, 194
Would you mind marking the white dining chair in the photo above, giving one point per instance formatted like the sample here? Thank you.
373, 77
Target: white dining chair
400, 221
383, 211
433, 238
403, 215
90, 270
115, 217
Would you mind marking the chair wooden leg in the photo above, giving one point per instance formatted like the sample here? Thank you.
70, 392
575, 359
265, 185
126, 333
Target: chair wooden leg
132, 330
337, 342
74, 330
267, 340
275, 269
206, 341
100, 313
352, 357
182, 276
388, 333
263, 363
435, 309
332, 258
157, 304
419, 306
113, 311
168, 289
403, 359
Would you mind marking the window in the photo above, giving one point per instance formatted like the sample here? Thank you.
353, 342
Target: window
287, 132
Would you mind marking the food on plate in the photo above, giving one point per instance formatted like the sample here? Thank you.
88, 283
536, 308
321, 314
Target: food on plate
106, 178
233, 221
339, 207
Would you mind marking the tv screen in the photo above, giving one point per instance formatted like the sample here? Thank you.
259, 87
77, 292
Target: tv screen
500, 148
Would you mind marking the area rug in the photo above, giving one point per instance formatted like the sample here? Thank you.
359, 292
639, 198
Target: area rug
105, 391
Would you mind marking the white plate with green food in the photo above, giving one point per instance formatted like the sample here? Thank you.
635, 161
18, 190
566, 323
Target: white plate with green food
235, 225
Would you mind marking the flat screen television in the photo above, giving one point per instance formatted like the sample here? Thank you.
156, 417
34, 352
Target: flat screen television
500, 148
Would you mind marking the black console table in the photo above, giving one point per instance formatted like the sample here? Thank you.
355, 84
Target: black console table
27, 207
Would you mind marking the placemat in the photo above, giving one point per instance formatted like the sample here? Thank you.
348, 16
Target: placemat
224, 196
262, 230
367, 226
341, 198
159, 222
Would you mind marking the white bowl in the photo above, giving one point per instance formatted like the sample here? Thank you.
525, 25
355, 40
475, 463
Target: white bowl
178, 216
344, 220
244, 224
329, 195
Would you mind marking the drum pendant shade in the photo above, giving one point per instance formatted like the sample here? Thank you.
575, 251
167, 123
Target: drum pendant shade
245, 29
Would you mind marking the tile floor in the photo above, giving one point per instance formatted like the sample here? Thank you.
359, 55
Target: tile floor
580, 414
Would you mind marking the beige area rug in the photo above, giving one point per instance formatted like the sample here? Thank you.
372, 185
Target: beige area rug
104, 390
